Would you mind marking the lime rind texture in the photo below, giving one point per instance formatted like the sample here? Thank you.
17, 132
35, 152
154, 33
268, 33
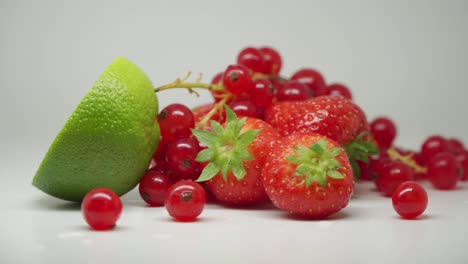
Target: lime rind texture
109, 139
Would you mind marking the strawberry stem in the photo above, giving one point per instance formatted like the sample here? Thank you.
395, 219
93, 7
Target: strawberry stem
226, 147
316, 162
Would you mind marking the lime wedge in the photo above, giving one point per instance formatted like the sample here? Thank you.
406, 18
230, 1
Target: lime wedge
109, 139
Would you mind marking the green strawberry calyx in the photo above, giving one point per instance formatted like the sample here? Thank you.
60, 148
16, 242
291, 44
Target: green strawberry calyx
226, 147
316, 162
360, 149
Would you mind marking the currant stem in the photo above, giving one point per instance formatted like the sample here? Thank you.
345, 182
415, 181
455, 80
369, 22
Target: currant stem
181, 83
217, 107
406, 159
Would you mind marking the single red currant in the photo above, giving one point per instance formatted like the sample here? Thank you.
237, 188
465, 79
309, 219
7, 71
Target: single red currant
153, 187
243, 107
272, 60
262, 93
185, 200
384, 131
252, 58
293, 91
175, 121
455, 145
391, 175
409, 200
217, 94
218, 78
338, 89
237, 79
277, 83
312, 78
181, 155
462, 160
433, 145
442, 171
101, 208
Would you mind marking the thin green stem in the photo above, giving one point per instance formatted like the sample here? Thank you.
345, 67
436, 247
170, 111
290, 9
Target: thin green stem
216, 108
181, 83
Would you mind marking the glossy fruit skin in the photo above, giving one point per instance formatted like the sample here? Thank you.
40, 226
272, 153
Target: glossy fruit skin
244, 107
175, 121
185, 200
289, 192
409, 200
335, 117
390, 175
462, 160
101, 208
252, 58
153, 187
313, 79
338, 89
442, 171
455, 145
250, 189
272, 59
293, 91
262, 93
237, 79
384, 131
180, 155
433, 145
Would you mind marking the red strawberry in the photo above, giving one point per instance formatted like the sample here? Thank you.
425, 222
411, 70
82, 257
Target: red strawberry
308, 175
234, 157
333, 116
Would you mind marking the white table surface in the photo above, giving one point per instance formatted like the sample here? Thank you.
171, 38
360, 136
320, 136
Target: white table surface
36, 228
403, 59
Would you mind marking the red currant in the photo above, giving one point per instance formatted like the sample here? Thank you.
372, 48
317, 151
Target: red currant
272, 60
433, 145
409, 200
277, 84
175, 121
252, 58
237, 79
384, 131
312, 78
338, 89
243, 107
218, 78
185, 200
455, 145
391, 175
462, 160
101, 208
153, 187
181, 155
442, 171
293, 91
262, 93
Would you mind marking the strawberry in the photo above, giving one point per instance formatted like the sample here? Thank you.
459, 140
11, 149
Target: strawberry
234, 157
333, 116
309, 175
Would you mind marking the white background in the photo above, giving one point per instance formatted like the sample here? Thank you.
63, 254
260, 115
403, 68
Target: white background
403, 59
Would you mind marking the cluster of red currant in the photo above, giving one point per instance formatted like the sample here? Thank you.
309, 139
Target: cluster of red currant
249, 88
442, 161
